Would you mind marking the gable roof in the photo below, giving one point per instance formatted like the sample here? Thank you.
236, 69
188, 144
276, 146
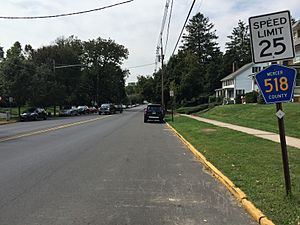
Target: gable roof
240, 70
295, 25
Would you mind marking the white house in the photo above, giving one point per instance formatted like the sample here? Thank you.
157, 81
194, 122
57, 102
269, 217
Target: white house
240, 82
296, 61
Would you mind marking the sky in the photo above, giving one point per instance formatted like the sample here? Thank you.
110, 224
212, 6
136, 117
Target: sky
136, 25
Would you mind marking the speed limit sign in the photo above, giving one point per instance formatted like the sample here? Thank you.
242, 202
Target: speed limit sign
271, 37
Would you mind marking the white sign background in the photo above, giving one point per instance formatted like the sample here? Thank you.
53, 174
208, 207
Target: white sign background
271, 37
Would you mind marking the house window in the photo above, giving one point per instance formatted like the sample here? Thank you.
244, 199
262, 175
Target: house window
240, 92
256, 69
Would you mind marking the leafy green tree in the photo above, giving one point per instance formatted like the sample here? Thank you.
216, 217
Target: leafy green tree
104, 58
64, 80
15, 73
238, 48
145, 88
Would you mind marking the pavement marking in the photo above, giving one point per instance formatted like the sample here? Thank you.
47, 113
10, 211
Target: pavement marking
50, 129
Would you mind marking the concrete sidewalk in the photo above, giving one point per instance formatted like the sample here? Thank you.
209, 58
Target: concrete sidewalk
291, 141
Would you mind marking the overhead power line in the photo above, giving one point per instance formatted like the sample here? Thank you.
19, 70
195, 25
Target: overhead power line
62, 15
144, 65
169, 23
163, 23
187, 18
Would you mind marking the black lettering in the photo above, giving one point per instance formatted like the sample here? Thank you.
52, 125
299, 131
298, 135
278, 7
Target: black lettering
283, 20
255, 25
260, 35
270, 32
267, 46
276, 22
269, 23
280, 30
262, 23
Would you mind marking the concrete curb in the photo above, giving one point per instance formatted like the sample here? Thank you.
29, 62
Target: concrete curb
235, 191
6, 122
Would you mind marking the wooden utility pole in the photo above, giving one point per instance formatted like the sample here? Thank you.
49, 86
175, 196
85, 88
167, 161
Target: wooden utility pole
162, 73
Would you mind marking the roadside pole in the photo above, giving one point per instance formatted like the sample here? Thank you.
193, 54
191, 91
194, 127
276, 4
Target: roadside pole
271, 41
162, 74
284, 151
172, 103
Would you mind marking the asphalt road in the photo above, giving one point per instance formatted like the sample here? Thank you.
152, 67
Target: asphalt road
106, 170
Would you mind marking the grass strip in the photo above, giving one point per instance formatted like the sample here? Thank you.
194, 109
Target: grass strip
252, 164
257, 116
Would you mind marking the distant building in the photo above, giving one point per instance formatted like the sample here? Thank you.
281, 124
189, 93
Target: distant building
239, 82
295, 63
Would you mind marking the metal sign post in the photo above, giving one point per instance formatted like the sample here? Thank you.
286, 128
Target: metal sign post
284, 152
271, 40
172, 97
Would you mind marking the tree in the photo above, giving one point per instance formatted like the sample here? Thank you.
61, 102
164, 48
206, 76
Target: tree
104, 58
64, 81
238, 48
202, 53
201, 39
15, 75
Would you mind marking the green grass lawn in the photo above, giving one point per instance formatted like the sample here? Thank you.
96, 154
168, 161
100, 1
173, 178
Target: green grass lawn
257, 116
253, 164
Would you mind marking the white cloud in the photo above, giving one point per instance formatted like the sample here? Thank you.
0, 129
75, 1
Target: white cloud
135, 25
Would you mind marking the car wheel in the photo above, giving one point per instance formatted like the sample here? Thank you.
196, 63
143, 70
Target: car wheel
145, 120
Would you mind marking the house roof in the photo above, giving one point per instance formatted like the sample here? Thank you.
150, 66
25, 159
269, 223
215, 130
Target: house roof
296, 24
240, 70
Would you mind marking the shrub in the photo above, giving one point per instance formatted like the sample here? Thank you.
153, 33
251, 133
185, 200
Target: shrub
190, 110
215, 100
212, 99
195, 101
251, 97
238, 99
260, 99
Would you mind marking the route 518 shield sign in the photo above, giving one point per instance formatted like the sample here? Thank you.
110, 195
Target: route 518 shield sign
276, 83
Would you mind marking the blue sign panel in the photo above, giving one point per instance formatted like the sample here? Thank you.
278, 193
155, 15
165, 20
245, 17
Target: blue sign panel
276, 83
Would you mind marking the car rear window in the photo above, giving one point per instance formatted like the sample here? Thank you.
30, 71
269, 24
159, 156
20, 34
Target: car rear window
154, 108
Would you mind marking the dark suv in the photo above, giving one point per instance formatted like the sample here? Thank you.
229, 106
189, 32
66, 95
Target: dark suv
107, 109
154, 112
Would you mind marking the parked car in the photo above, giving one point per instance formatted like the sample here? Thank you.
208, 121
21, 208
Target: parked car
119, 108
154, 112
83, 109
93, 109
33, 113
68, 111
107, 109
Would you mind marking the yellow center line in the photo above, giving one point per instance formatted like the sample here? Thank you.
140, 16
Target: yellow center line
50, 129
